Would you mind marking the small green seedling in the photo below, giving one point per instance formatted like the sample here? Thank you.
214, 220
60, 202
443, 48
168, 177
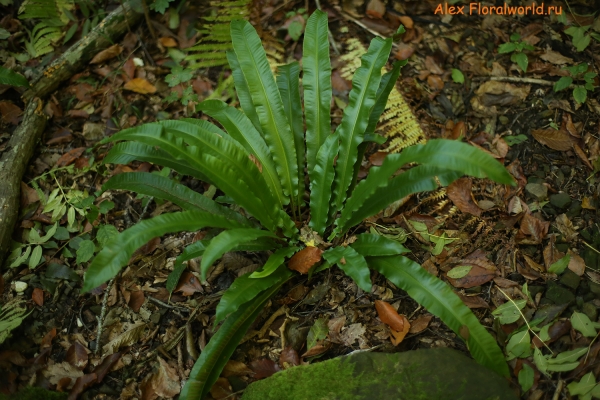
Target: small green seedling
296, 21
178, 76
457, 76
580, 36
516, 46
578, 73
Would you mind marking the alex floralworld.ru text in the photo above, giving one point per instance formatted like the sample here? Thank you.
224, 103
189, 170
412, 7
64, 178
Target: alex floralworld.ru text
479, 9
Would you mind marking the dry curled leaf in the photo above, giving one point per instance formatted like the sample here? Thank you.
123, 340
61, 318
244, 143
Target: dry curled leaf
389, 316
303, 260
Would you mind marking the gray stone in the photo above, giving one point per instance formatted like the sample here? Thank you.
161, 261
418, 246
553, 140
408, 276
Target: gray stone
93, 132
560, 200
439, 373
590, 310
570, 279
537, 190
558, 294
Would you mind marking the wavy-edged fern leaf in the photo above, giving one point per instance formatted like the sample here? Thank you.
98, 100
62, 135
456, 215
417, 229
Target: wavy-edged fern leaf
269, 106
51, 11
321, 180
227, 241
167, 189
316, 80
368, 244
245, 288
352, 263
243, 91
117, 253
287, 82
441, 301
274, 261
356, 115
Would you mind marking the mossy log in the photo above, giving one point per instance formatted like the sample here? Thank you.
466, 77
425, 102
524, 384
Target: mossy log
15, 158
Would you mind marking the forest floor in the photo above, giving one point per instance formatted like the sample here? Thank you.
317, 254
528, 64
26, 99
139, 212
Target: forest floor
536, 244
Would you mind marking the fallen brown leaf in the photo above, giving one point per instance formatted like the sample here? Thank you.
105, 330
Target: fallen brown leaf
555, 139
460, 193
10, 112
107, 54
289, 358
136, 300
303, 260
189, 284
397, 337
264, 368
532, 230
420, 323
164, 382
236, 368
140, 85
77, 355
38, 296
167, 41
389, 316
221, 389
576, 263
70, 157
477, 276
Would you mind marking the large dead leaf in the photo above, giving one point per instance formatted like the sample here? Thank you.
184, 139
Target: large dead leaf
77, 355
555, 57
576, 263
389, 316
188, 284
477, 276
10, 112
350, 335
164, 382
303, 260
127, 338
140, 85
459, 192
532, 230
264, 368
55, 372
554, 138
420, 323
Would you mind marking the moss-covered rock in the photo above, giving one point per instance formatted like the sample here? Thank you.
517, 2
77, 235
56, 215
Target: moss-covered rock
413, 375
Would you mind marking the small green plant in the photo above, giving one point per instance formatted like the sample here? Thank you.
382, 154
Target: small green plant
296, 21
457, 76
259, 164
578, 73
512, 140
180, 75
580, 36
10, 77
517, 48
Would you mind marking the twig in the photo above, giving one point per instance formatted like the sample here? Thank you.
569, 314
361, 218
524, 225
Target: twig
558, 390
103, 314
163, 304
148, 21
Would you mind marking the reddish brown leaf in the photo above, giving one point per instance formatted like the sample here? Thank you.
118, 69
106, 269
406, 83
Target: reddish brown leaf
532, 230
70, 157
107, 54
317, 349
581, 154
136, 300
459, 192
28, 196
459, 130
555, 139
407, 21
38, 296
188, 284
82, 383
77, 355
264, 368
389, 316
473, 301
477, 276
420, 324
303, 260
47, 339
106, 365
398, 337
435, 82
556, 331
10, 112
221, 389
404, 51
167, 41
377, 158
289, 357
140, 85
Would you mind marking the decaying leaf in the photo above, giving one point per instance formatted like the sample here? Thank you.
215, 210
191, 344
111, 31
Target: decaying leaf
189, 284
350, 335
459, 192
236, 368
477, 276
420, 324
264, 368
127, 338
389, 316
566, 227
303, 260
77, 355
164, 382
532, 230
555, 139
576, 263
107, 54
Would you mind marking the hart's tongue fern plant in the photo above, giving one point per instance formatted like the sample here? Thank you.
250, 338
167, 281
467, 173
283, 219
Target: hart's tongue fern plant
259, 164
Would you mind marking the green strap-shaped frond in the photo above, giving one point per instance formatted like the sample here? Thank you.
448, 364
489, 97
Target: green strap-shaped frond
287, 82
443, 155
321, 180
356, 115
352, 263
243, 91
368, 244
388, 81
167, 189
267, 101
275, 260
316, 80
221, 346
117, 253
237, 124
227, 241
126, 152
419, 179
234, 173
244, 289
437, 297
